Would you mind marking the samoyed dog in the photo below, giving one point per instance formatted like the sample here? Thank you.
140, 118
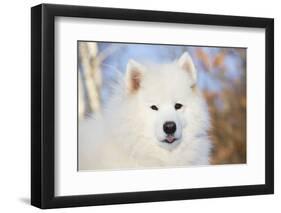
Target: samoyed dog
157, 118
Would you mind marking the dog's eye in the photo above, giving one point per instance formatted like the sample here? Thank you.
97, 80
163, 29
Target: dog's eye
154, 107
178, 106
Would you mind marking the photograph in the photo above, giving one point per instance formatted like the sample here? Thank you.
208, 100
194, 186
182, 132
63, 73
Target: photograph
136, 105
153, 106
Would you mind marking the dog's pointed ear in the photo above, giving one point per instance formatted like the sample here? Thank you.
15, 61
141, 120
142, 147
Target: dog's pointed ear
134, 74
186, 63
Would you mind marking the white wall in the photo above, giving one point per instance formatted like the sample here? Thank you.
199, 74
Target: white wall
15, 105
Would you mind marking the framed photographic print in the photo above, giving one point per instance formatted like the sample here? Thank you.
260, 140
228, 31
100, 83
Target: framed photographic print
140, 106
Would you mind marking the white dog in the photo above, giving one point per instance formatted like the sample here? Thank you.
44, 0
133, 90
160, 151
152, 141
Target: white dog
157, 118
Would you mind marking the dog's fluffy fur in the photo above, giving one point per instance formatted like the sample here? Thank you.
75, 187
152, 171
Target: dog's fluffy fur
129, 132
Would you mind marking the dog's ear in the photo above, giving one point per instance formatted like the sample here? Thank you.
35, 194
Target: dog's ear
134, 75
186, 63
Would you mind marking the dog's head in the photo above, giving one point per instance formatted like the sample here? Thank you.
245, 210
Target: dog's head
169, 103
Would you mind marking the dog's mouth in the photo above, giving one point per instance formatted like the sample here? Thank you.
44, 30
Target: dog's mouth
169, 139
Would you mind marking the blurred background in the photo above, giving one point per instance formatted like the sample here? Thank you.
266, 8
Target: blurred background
221, 77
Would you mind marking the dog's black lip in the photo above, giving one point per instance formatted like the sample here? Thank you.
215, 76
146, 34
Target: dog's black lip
166, 141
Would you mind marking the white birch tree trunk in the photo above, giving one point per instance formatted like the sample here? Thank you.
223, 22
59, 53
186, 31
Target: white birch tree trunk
92, 78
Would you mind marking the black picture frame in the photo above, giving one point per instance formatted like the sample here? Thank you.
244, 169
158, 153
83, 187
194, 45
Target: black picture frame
43, 105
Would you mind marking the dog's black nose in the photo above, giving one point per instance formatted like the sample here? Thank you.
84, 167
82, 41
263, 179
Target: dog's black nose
169, 127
